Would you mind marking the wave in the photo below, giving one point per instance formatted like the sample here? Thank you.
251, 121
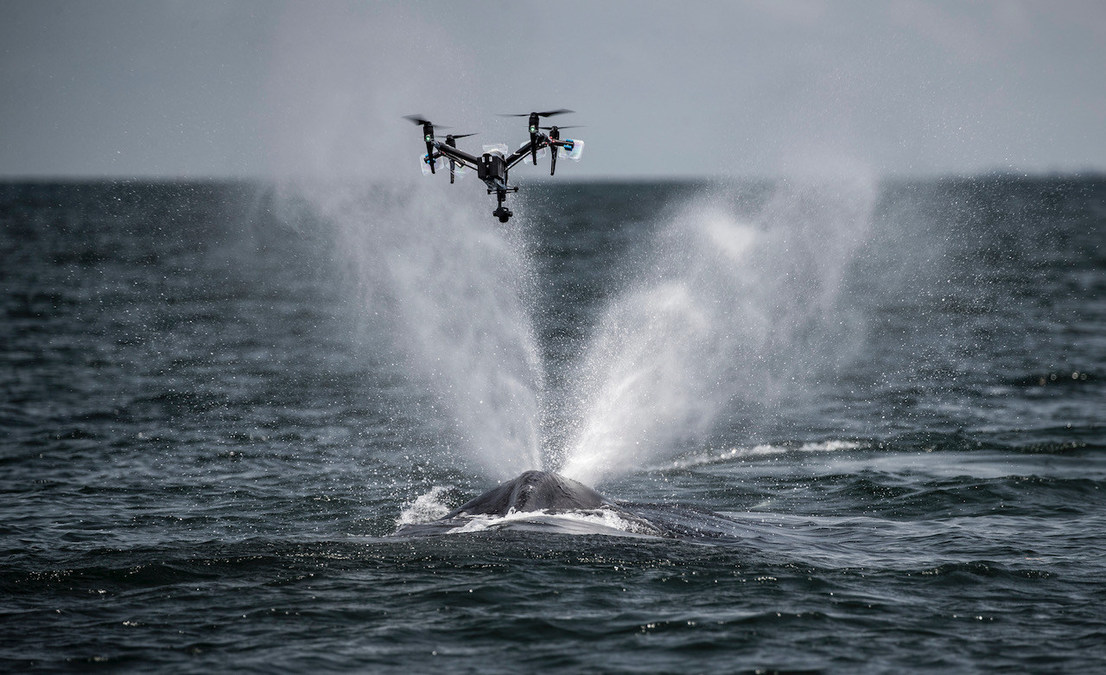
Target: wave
761, 450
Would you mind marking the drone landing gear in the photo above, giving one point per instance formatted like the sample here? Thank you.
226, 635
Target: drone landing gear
502, 212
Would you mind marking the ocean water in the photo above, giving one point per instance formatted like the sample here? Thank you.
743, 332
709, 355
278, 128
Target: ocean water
870, 414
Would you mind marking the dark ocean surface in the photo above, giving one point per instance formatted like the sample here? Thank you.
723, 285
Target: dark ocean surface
873, 411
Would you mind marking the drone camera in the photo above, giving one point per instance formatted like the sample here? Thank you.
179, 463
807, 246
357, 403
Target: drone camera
502, 213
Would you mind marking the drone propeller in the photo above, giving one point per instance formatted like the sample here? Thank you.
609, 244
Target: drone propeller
573, 126
427, 136
421, 121
451, 141
559, 147
534, 127
547, 113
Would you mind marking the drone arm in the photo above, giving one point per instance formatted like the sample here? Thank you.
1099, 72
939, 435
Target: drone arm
459, 156
533, 146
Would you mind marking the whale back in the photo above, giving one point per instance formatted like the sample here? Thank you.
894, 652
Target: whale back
533, 491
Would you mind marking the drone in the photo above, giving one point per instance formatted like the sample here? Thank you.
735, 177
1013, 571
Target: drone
492, 166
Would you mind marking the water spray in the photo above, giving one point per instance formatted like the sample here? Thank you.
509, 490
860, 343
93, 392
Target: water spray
727, 311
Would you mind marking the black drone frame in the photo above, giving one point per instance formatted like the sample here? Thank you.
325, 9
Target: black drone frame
492, 167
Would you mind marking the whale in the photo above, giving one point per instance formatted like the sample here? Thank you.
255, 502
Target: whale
546, 501
533, 491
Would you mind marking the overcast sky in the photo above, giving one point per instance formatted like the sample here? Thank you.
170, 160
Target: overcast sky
738, 87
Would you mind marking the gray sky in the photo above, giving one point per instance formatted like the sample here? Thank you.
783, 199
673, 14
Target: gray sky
742, 87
